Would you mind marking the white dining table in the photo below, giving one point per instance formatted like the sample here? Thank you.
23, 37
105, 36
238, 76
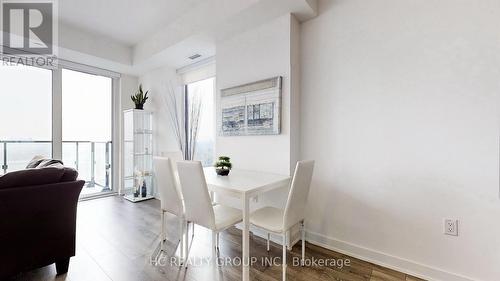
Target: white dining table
244, 184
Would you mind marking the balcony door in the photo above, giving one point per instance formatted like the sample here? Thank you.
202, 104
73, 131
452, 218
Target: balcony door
87, 128
63, 113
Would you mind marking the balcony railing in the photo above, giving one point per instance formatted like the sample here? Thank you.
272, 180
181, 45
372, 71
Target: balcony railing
91, 159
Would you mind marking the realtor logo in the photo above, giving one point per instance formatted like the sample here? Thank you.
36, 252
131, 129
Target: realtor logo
28, 27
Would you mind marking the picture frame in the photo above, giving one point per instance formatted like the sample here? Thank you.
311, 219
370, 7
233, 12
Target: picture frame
251, 109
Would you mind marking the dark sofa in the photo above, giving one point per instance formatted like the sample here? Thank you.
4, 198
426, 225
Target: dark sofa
38, 217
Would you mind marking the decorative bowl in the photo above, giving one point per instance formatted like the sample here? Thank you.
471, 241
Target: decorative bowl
222, 172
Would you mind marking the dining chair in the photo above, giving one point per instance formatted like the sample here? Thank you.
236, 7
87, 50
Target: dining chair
175, 156
278, 221
198, 205
170, 197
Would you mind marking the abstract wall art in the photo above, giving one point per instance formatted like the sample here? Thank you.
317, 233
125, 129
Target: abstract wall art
251, 109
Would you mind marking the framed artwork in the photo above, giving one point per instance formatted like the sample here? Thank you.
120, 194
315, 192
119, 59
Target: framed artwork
251, 109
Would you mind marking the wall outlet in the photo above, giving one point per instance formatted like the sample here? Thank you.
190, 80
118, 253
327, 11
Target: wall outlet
451, 227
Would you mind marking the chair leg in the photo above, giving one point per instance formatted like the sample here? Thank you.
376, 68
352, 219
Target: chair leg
268, 237
284, 256
186, 244
214, 245
303, 229
162, 232
217, 245
181, 239
192, 235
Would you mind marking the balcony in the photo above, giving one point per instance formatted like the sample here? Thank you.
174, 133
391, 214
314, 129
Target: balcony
91, 159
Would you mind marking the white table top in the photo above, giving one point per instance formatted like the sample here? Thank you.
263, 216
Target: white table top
244, 182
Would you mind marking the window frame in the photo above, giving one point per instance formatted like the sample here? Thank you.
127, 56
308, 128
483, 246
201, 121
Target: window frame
57, 114
185, 107
115, 118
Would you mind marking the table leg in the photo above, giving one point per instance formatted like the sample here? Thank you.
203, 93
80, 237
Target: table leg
246, 249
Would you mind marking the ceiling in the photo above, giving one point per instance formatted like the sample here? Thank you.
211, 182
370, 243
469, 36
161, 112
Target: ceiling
126, 21
135, 36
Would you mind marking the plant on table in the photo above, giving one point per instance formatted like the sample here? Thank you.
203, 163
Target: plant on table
223, 166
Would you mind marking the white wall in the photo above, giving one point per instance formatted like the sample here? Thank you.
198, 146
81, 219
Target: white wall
260, 53
268, 50
400, 109
157, 82
295, 78
128, 87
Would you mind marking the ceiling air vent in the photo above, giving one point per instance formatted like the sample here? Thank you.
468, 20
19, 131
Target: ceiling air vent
195, 56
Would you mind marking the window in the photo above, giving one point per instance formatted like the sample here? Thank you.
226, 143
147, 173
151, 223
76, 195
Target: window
70, 120
203, 92
26, 115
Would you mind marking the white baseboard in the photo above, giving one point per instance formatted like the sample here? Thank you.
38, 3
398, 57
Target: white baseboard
292, 240
386, 260
370, 255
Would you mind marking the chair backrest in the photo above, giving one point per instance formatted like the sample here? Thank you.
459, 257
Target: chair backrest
170, 196
174, 156
297, 198
197, 202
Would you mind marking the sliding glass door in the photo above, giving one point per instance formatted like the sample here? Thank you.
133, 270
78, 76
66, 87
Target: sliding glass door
65, 113
86, 128
25, 115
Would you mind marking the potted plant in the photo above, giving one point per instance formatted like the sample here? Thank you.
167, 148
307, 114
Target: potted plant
140, 98
223, 166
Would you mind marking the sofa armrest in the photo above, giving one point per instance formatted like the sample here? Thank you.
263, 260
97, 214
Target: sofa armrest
38, 225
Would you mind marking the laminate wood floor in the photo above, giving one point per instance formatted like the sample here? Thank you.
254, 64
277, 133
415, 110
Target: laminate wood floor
116, 240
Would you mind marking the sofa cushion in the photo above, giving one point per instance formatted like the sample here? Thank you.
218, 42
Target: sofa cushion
70, 174
30, 177
50, 163
35, 161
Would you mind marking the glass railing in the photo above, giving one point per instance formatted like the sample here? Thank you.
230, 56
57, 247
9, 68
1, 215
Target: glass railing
91, 159
15, 155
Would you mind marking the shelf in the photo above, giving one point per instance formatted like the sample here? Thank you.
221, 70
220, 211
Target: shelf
131, 198
132, 177
138, 152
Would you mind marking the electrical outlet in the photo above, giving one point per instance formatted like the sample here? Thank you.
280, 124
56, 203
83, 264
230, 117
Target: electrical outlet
451, 227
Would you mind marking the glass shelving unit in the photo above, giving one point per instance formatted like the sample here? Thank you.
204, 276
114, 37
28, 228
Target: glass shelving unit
138, 155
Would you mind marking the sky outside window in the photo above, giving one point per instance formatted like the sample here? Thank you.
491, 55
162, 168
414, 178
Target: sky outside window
86, 106
25, 103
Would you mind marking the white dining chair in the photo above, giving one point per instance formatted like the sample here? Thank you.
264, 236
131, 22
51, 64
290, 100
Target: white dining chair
170, 197
278, 221
198, 205
176, 156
